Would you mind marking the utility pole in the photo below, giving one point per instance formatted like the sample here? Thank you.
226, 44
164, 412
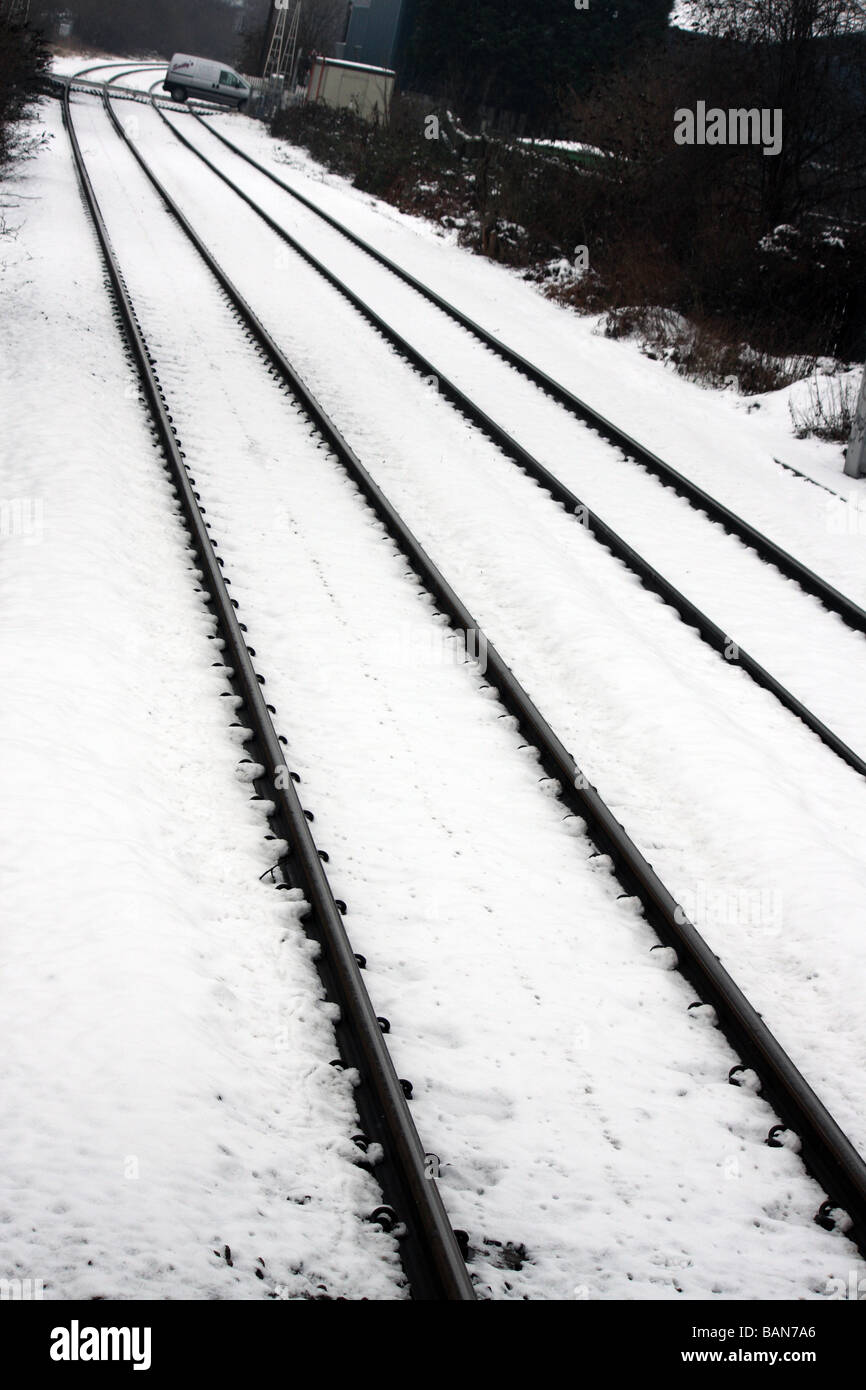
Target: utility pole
855, 457
280, 57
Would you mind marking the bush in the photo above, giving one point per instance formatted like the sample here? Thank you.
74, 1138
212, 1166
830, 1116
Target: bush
24, 61
680, 251
385, 159
769, 249
828, 411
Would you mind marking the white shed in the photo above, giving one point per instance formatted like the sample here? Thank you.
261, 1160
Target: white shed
352, 86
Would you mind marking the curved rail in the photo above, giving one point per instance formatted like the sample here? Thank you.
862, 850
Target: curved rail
825, 1150
57, 85
721, 642
430, 1254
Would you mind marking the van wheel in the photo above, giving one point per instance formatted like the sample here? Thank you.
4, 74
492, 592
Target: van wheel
178, 93
242, 106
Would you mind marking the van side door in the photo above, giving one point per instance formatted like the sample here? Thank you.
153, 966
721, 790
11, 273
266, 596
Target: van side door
232, 86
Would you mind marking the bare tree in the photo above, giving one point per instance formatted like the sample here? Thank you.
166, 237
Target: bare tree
772, 245
780, 22
323, 24
806, 58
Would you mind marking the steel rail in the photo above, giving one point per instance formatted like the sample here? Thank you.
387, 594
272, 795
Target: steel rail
825, 1149
791, 567
431, 1257
81, 78
56, 85
805, 478
714, 636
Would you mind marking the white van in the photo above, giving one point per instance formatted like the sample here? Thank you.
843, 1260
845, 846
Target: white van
200, 77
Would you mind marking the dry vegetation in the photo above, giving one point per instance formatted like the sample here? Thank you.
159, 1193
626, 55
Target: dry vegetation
23, 63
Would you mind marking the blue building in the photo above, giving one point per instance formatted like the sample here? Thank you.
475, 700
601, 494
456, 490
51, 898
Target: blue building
377, 32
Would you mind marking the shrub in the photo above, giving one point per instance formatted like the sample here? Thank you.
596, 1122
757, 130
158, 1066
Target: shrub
680, 252
24, 60
828, 410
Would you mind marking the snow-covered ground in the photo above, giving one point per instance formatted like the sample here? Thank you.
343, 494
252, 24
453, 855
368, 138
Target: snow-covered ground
567, 146
705, 770
760, 610
65, 64
558, 1073
167, 1087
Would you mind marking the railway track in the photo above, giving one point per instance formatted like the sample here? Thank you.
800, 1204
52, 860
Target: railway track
826, 1151
721, 641
57, 86
698, 497
431, 1255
